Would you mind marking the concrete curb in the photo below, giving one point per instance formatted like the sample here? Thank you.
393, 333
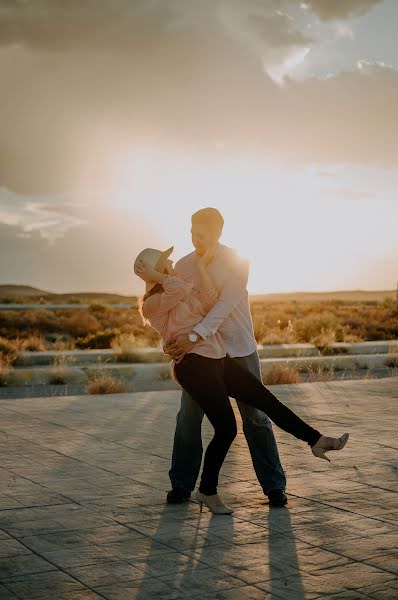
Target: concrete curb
154, 355
144, 373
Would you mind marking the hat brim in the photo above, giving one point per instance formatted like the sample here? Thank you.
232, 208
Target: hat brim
160, 264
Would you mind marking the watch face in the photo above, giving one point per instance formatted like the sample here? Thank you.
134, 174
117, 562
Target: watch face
193, 337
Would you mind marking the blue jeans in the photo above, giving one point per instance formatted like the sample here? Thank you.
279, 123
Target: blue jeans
257, 427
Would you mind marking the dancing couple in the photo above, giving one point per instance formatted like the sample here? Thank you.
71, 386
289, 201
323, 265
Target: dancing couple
200, 308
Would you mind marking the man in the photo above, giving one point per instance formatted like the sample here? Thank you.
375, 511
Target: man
231, 317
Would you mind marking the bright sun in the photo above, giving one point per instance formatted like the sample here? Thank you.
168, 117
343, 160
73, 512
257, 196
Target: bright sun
297, 228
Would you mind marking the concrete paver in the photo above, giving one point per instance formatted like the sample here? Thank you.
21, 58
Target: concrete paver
83, 514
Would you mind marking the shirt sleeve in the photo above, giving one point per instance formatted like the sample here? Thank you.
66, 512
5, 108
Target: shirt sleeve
209, 297
175, 290
230, 295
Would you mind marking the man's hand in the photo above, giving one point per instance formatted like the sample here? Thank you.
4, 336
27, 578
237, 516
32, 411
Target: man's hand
178, 347
207, 257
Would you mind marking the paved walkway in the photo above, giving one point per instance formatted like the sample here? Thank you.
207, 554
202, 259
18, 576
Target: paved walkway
82, 512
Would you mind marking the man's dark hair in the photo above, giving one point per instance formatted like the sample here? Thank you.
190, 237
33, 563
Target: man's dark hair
210, 217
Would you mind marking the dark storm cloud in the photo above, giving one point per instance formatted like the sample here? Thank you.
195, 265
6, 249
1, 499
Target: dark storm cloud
134, 24
340, 9
85, 82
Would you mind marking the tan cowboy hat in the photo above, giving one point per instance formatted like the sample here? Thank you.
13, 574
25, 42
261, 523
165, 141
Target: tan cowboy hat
154, 258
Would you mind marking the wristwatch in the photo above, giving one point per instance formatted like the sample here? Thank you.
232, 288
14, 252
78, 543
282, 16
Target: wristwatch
193, 337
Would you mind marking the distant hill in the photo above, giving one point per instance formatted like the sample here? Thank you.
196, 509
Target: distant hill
17, 293
21, 290
346, 296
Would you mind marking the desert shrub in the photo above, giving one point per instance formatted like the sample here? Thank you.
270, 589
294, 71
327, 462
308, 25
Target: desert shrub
33, 343
269, 330
79, 324
318, 328
39, 319
8, 350
15, 300
56, 378
104, 383
392, 360
277, 336
324, 339
98, 307
125, 347
320, 374
57, 374
5, 368
73, 300
280, 374
165, 373
390, 304
97, 341
23, 324
62, 344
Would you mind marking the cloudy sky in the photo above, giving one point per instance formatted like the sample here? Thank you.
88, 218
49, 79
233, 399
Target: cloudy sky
118, 119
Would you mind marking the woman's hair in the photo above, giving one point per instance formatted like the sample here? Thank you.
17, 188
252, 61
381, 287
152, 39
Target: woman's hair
157, 288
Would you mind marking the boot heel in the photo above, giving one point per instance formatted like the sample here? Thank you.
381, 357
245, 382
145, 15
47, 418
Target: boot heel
216, 509
326, 444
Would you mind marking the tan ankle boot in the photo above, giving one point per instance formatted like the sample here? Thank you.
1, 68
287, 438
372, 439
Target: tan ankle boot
216, 509
325, 444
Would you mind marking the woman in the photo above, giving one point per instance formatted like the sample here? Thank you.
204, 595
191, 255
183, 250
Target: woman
173, 306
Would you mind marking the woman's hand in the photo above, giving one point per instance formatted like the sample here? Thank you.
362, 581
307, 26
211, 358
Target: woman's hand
207, 257
145, 271
169, 269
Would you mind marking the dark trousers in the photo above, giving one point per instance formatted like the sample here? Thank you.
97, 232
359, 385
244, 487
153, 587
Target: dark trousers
211, 382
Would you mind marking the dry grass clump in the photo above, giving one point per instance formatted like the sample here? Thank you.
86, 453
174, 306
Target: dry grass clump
125, 347
392, 360
280, 374
104, 383
33, 343
63, 345
79, 324
275, 322
322, 328
278, 336
324, 339
5, 368
8, 350
165, 373
98, 307
57, 375
315, 374
266, 333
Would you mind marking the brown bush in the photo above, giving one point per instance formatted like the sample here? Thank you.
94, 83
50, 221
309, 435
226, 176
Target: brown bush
280, 374
63, 345
104, 383
392, 360
165, 374
5, 368
33, 343
274, 322
318, 327
39, 320
125, 347
8, 350
58, 373
98, 341
315, 374
79, 324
